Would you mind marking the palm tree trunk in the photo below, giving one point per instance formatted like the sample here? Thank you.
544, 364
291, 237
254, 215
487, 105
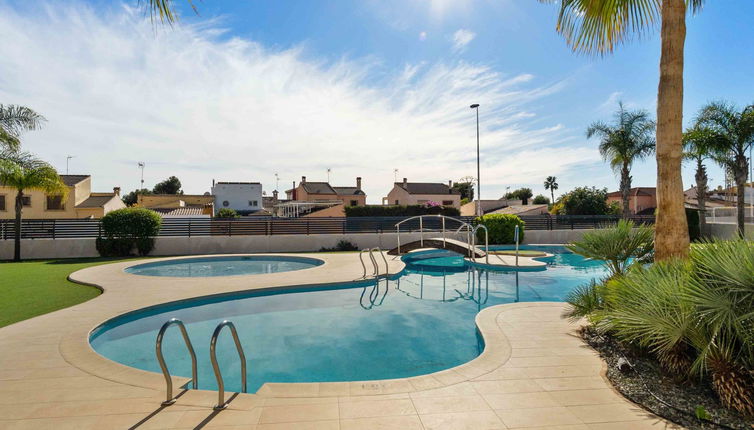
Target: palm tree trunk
17, 226
552, 195
701, 196
740, 173
625, 189
671, 230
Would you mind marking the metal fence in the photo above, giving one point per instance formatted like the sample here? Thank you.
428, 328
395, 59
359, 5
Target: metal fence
187, 227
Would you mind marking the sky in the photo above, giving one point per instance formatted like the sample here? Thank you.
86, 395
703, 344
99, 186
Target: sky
247, 89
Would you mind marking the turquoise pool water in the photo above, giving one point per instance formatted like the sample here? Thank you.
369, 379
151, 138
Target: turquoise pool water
421, 321
223, 266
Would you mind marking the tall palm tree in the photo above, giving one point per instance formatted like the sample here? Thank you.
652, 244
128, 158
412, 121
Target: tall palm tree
732, 134
596, 26
164, 10
15, 119
698, 144
23, 172
552, 185
627, 140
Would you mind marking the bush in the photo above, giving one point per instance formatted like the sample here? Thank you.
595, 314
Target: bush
584, 201
126, 229
619, 246
227, 213
400, 210
541, 200
343, 245
501, 228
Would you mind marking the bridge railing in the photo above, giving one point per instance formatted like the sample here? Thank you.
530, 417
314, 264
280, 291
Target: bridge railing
443, 230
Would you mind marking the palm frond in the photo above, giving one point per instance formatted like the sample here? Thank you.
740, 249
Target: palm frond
15, 119
619, 246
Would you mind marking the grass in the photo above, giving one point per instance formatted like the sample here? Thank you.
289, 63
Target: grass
37, 287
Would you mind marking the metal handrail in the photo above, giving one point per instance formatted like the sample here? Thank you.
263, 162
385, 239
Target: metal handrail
387, 267
486, 243
421, 227
161, 359
221, 403
361, 259
376, 272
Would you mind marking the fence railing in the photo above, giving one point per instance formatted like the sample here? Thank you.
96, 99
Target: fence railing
187, 227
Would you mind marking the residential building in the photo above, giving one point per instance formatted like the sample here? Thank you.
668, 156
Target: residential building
488, 206
418, 193
324, 192
641, 200
178, 205
243, 197
522, 210
81, 202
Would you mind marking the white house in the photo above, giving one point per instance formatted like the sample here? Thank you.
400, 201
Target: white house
243, 197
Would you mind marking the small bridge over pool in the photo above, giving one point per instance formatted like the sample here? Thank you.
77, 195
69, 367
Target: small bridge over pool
437, 237
458, 246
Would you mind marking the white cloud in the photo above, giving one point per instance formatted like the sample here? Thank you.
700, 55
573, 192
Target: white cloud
461, 38
423, 36
191, 103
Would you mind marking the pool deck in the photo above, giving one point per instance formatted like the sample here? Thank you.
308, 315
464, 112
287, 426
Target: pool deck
535, 372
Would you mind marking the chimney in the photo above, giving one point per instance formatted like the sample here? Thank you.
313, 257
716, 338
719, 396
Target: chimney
275, 196
213, 183
450, 183
358, 183
116, 190
303, 179
405, 183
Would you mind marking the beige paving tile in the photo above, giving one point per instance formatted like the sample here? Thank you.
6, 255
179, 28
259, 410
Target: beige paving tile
408, 422
520, 400
585, 397
334, 389
294, 413
575, 383
163, 420
563, 371
480, 420
462, 389
504, 373
219, 418
537, 417
276, 401
436, 405
648, 424
376, 408
68, 423
614, 412
506, 386
303, 425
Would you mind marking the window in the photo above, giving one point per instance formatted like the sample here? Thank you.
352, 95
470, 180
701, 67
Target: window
396, 202
354, 202
26, 200
447, 202
2, 203
253, 203
225, 203
55, 203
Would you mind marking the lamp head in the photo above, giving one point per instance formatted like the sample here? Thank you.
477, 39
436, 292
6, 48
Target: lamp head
474, 106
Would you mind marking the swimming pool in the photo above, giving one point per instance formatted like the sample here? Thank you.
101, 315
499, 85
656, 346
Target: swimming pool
419, 322
223, 266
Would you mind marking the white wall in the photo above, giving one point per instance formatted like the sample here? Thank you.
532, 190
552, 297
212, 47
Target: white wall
238, 196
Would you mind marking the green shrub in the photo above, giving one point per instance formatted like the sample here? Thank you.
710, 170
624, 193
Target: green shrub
619, 246
343, 245
126, 229
501, 228
227, 213
541, 200
399, 210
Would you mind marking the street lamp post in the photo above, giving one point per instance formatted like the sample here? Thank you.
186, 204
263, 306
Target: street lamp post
475, 106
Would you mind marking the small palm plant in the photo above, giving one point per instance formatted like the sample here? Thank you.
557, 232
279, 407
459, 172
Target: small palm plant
15, 119
23, 172
619, 246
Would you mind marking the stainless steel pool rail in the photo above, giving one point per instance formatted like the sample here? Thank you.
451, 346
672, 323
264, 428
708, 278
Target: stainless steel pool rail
375, 265
486, 243
221, 403
161, 359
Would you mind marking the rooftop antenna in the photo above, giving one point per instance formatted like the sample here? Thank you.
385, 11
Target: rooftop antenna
67, 159
141, 166
328, 174
277, 181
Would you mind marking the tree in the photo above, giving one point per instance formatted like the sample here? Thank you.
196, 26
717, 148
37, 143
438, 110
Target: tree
552, 185
541, 200
15, 119
132, 198
171, 185
164, 10
23, 171
730, 132
466, 188
629, 139
596, 26
698, 145
584, 201
523, 194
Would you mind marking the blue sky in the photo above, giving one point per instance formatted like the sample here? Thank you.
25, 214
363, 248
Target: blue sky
294, 87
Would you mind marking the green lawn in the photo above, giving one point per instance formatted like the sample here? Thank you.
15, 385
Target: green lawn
36, 287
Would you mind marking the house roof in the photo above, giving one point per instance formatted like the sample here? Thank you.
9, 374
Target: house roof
318, 188
182, 211
521, 209
348, 191
426, 188
71, 180
96, 200
636, 191
237, 183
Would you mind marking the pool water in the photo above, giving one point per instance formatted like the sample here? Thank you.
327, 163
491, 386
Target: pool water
223, 266
420, 322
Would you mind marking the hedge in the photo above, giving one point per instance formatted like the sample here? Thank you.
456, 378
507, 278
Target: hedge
126, 229
400, 210
501, 228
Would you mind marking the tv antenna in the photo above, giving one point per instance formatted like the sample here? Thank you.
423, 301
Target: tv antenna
67, 159
141, 166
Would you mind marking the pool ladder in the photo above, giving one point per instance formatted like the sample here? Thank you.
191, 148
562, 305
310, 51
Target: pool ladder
221, 403
375, 265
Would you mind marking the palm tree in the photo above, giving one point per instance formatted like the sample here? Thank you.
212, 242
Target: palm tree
596, 26
628, 140
13, 120
552, 185
731, 133
698, 145
23, 171
164, 10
